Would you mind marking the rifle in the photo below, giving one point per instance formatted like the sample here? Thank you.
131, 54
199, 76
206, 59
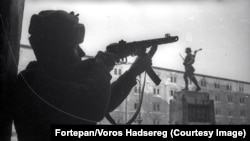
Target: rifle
197, 51
194, 53
122, 50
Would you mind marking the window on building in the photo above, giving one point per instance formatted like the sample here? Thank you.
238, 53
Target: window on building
136, 90
229, 87
120, 72
117, 71
173, 79
216, 85
241, 89
156, 121
156, 106
230, 98
217, 97
230, 112
242, 100
217, 111
243, 113
156, 91
172, 92
203, 83
136, 105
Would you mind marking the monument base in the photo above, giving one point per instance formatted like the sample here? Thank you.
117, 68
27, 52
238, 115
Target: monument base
191, 108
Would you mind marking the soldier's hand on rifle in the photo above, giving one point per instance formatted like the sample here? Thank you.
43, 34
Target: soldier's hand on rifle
107, 60
141, 63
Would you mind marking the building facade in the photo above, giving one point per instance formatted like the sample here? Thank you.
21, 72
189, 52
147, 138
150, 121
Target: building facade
231, 97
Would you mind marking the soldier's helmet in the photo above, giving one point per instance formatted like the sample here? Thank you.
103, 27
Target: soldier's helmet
57, 24
54, 33
188, 50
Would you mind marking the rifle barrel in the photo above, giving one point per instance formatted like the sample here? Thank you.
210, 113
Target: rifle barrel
158, 41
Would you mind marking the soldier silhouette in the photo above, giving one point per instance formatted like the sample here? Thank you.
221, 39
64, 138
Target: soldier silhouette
189, 69
60, 88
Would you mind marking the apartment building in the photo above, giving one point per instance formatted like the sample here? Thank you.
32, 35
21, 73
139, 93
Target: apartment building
231, 97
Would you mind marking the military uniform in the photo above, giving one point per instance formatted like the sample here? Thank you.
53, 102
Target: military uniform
79, 94
63, 89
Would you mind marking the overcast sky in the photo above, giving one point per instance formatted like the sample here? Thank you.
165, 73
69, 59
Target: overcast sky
220, 27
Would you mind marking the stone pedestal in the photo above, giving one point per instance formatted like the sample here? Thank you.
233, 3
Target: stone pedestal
191, 108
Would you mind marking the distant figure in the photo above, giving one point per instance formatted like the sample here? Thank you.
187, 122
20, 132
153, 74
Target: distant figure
189, 69
60, 88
